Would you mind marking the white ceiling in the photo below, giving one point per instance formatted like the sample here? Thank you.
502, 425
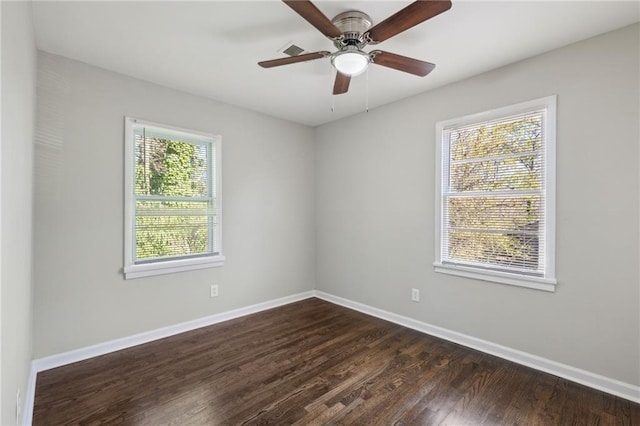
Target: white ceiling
211, 48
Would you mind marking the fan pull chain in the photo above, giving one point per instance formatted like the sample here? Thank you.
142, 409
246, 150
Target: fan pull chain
366, 102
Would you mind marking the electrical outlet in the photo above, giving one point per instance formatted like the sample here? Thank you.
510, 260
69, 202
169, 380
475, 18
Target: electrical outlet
18, 407
415, 294
214, 290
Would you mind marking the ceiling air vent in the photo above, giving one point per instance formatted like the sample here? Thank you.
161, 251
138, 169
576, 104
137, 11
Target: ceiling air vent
293, 50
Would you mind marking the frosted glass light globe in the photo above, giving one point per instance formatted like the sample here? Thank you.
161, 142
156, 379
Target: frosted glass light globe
350, 62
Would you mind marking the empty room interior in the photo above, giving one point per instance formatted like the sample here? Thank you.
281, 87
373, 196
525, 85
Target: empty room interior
327, 212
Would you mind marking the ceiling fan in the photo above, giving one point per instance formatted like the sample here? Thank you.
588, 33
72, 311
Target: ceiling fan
352, 31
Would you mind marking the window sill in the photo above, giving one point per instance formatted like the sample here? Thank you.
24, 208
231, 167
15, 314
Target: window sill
536, 283
172, 266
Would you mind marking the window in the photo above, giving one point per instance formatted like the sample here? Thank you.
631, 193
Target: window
495, 195
172, 200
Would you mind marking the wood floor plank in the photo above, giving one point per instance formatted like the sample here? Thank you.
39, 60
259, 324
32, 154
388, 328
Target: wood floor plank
313, 363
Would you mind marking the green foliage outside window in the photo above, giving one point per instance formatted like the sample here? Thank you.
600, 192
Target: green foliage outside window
167, 175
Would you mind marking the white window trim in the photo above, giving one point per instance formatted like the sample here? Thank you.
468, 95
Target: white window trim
548, 282
131, 269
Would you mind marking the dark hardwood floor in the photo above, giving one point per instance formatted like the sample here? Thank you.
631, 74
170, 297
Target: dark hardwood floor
313, 362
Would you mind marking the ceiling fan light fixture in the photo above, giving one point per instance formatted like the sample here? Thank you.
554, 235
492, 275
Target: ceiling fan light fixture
351, 61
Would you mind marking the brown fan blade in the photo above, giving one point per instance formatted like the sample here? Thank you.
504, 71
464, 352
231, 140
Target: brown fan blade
312, 14
402, 63
341, 84
292, 59
408, 17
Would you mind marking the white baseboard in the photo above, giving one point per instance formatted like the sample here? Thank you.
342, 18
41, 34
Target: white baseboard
596, 381
81, 354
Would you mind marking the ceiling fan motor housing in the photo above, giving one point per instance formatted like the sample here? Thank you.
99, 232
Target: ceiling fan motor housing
353, 25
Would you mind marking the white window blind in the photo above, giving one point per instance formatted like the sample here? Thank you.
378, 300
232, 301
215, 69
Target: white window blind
173, 204
493, 194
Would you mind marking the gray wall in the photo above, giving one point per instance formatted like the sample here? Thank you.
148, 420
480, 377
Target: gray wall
81, 297
375, 210
18, 120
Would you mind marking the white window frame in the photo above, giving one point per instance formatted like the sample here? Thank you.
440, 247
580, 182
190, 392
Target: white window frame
161, 266
546, 282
